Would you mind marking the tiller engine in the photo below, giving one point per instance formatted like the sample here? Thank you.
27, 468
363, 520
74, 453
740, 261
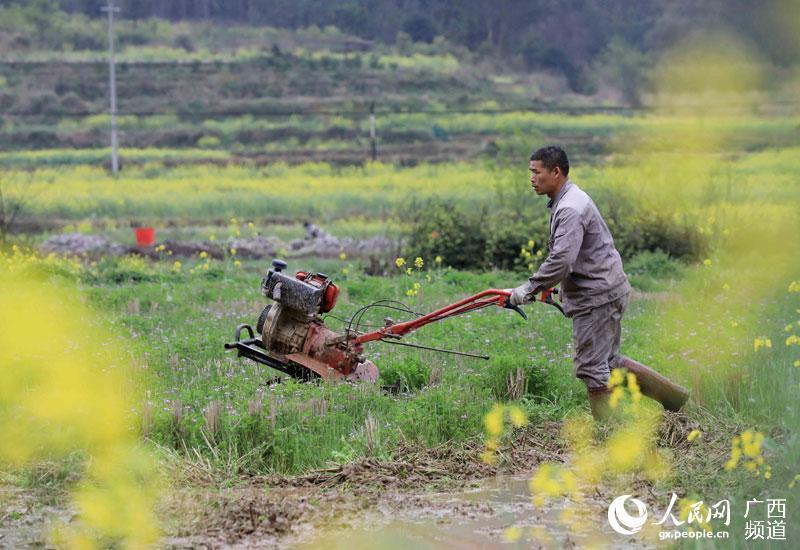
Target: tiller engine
290, 335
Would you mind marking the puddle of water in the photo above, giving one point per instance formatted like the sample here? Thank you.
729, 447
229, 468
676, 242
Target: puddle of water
473, 518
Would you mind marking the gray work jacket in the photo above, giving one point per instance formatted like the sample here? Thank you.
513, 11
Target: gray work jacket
582, 256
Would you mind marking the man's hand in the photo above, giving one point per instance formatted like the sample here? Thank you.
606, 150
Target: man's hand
522, 295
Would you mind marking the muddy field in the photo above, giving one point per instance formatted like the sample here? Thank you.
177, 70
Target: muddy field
431, 488
445, 496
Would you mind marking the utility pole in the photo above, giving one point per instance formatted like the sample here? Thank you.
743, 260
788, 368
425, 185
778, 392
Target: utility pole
373, 141
111, 9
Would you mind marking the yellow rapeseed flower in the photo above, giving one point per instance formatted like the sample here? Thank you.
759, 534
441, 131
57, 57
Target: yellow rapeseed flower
626, 450
793, 340
418, 263
633, 387
237, 263
512, 534
569, 481
616, 395
751, 443
493, 421
747, 445
517, 416
617, 377
409, 271
437, 260
694, 434
731, 463
544, 482
707, 262
489, 455
203, 255
794, 286
177, 265
761, 342
52, 407
342, 256
400, 262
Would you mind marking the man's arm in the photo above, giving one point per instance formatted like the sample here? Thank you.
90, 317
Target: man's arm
567, 239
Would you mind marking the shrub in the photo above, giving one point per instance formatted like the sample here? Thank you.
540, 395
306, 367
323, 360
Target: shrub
656, 263
506, 240
440, 228
636, 229
493, 236
208, 142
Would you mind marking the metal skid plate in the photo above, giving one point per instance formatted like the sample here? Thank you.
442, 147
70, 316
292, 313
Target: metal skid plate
253, 348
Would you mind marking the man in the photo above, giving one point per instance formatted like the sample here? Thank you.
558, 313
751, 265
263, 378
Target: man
594, 288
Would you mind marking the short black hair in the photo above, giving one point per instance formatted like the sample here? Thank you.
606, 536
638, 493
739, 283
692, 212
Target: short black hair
552, 156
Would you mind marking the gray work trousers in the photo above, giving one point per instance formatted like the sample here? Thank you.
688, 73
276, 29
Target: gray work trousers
595, 338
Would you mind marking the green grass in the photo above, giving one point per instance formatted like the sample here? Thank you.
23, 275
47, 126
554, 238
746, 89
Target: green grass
176, 325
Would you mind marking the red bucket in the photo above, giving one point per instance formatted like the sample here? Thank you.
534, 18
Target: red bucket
145, 236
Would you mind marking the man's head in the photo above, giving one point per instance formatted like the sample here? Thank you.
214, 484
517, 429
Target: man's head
549, 168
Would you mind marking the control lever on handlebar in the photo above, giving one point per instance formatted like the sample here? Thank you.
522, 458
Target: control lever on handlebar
508, 305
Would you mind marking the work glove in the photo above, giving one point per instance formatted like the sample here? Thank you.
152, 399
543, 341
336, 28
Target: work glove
522, 295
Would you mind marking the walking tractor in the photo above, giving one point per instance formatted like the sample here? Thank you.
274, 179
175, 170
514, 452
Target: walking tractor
292, 337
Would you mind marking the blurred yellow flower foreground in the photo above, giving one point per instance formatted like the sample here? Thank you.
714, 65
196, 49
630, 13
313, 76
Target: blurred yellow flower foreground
62, 391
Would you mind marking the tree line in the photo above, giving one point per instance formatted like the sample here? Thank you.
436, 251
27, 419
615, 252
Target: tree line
567, 36
580, 29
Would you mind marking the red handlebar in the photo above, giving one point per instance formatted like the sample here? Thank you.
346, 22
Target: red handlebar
478, 301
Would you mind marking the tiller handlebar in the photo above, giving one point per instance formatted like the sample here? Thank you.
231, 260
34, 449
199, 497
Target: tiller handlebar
481, 300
